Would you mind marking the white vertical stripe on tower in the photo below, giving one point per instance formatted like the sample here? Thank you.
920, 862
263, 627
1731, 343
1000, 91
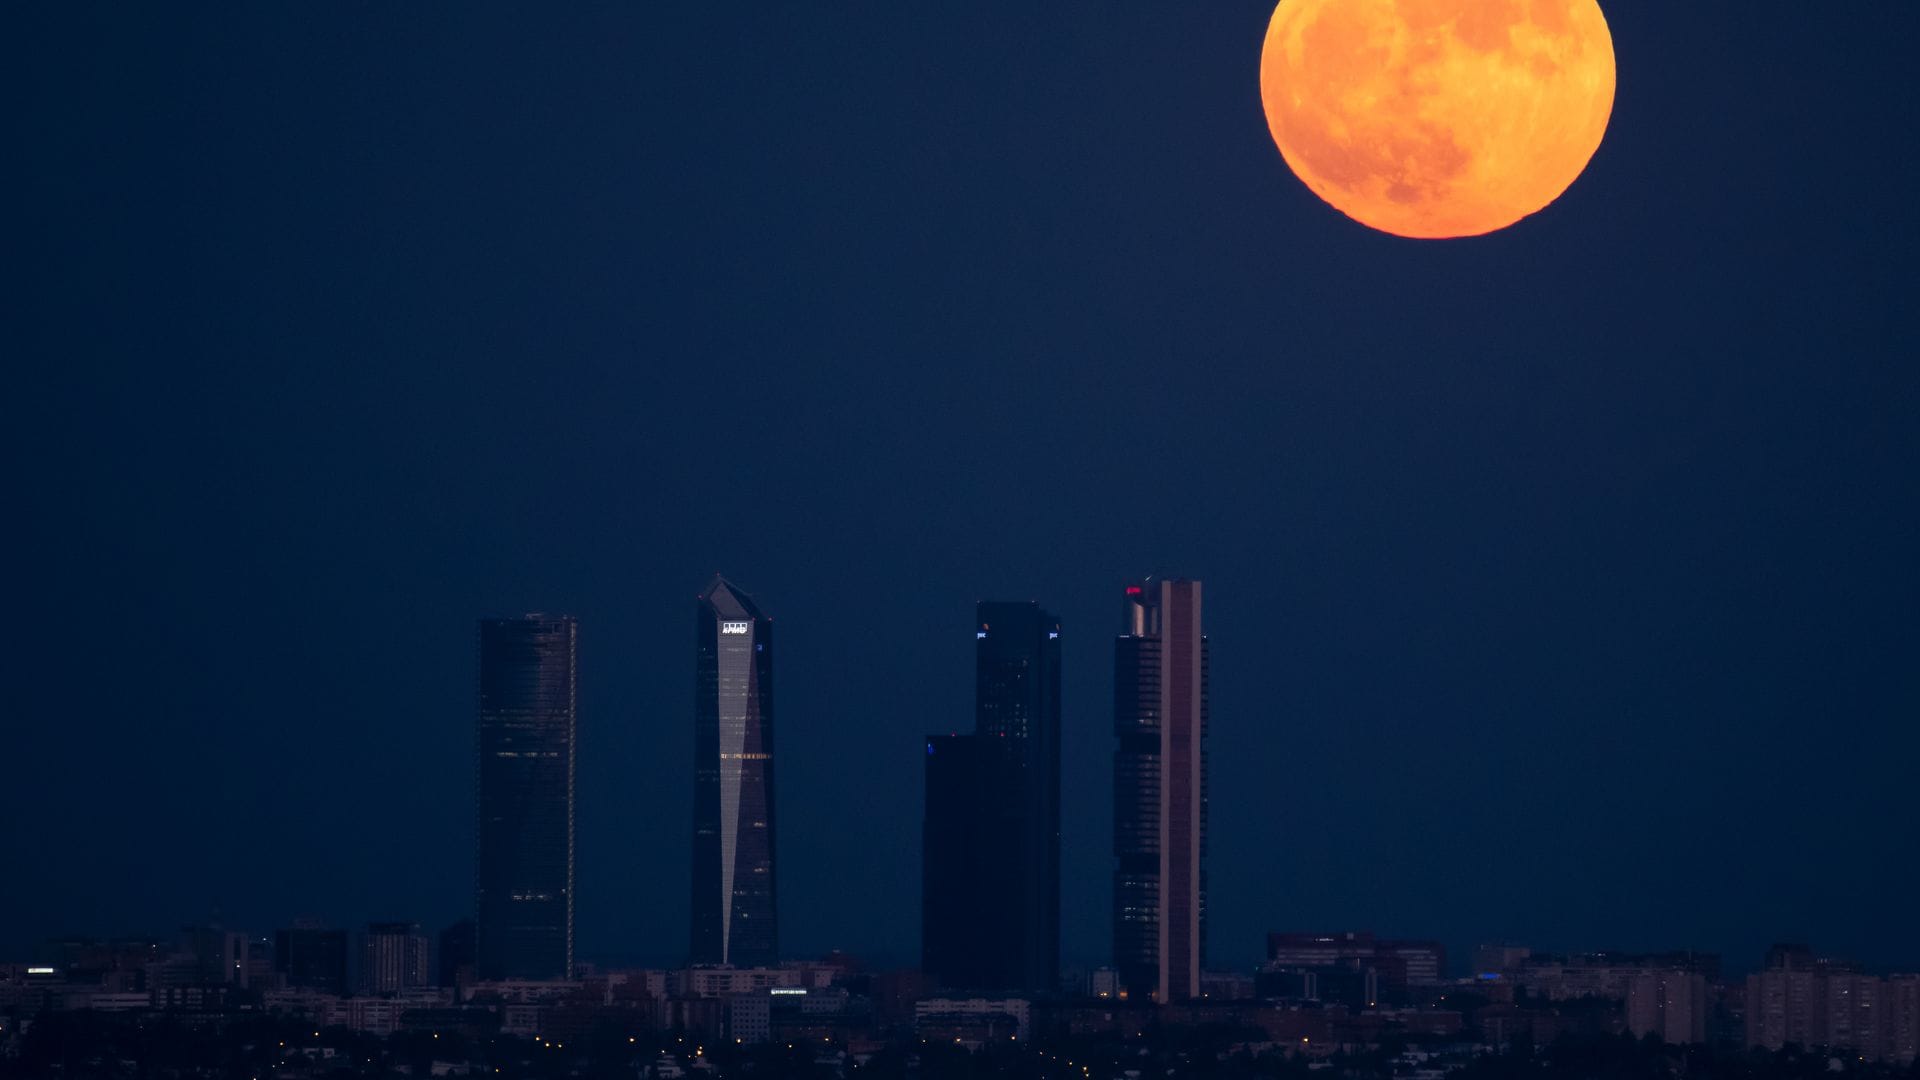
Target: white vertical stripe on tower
736, 682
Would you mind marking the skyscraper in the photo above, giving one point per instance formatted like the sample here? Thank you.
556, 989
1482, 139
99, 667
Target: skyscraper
1017, 698
525, 728
995, 803
1160, 791
735, 917
972, 862
990, 881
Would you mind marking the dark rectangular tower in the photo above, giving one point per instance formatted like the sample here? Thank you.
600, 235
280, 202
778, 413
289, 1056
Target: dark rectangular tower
735, 917
1160, 792
972, 864
1017, 700
527, 713
990, 885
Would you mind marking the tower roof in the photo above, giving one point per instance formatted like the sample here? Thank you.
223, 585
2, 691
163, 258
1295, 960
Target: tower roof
729, 601
1140, 614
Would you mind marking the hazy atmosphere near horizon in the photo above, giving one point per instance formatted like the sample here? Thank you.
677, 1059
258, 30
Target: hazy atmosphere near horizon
1561, 583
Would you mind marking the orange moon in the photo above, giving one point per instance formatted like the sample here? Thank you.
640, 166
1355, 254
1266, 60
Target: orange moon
1437, 118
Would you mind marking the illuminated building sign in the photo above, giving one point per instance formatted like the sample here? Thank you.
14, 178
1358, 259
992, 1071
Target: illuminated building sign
735, 627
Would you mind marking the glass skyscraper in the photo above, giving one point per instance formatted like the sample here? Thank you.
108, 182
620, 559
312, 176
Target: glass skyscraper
525, 772
734, 913
1160, 792
1016, 698
990, 917
971, 864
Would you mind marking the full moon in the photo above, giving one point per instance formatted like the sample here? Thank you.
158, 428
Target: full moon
1437, 118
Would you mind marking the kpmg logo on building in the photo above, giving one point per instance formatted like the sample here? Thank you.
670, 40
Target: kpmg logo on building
735, 627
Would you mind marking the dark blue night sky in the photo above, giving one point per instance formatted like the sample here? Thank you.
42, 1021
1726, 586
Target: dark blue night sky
1561, 583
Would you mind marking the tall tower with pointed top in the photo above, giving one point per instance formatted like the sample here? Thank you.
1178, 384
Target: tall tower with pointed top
735, 917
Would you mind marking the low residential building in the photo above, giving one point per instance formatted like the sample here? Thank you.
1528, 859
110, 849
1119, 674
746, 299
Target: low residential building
1226, 986
1103, 983
1903, 1030
728, 981
1354, 968
793, 1014
1671, 1005
1811, 1001
974, 1020
1603, 974
393, 957
113, 1002
523, 990
520, 1018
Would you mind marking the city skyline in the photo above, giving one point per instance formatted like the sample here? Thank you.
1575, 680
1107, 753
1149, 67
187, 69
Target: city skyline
989, 976
721, 599
527, 672
1561, 578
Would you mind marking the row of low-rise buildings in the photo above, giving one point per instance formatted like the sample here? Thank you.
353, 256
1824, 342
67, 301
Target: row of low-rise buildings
1806, 1000
1798, 998
1357, 969
1333, 992
205, 962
